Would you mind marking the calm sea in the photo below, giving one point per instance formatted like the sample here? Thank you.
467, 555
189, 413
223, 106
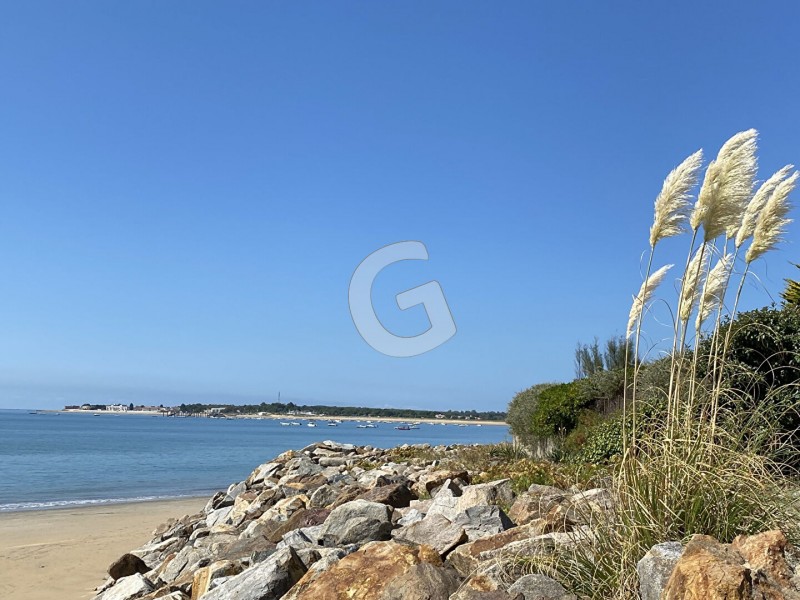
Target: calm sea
53, 460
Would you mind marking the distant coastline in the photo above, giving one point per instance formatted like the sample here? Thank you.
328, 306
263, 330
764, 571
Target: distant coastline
322, 420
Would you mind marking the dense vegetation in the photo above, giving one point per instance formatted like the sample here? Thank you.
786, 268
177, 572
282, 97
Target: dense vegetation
280, 408
705, 439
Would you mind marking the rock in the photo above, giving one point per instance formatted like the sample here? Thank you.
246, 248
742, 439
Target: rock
483, 521
218, 516
447, 504
301, 518
435, 531
396, 495
750, 567
203, 578
324, 496
126, 565
369, 573
187, 560
540, 544
431, 482
586, 507
539, 587
410, 517
357, 522
268, 580
466, 558
494, 492
655, 568
481, 587
126, 588
263, 472
423, 580
530, 506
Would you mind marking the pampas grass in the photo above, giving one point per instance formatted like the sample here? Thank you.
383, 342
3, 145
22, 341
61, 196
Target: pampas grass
644, 296
772, 221
727, 187
755, 206
672, 203
692, 464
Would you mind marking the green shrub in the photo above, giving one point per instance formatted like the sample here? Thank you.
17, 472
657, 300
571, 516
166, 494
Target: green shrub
557, 410
521, 411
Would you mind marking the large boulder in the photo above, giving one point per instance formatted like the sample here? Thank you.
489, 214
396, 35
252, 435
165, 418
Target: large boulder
537, 502
268, 580
204, 577
435, 531
396, 495
423, 580
357, 522
378, 571
126, 565
465, 559
655, 568
448, 504
750, 567
539, 587
483, 521
126, 588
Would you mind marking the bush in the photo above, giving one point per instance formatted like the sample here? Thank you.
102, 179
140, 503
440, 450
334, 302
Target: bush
521, 411
557, 410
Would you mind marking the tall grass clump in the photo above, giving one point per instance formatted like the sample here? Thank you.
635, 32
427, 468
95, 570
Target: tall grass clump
691, 462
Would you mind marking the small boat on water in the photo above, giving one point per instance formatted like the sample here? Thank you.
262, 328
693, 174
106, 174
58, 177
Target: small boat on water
311, 424
403, 428
333, 424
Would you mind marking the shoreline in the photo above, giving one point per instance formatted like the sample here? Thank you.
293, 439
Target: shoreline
280, 417
57, 505
63, 553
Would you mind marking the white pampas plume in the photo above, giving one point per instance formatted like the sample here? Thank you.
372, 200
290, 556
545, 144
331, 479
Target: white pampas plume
727, 187
755, 205
714, 289
644, 295
772, 221
691, 286
672, 204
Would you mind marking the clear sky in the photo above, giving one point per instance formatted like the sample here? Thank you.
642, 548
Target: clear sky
187, 187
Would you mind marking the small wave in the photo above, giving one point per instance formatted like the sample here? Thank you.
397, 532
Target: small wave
54, 504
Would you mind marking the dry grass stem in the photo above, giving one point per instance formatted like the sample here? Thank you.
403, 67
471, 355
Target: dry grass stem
714, 289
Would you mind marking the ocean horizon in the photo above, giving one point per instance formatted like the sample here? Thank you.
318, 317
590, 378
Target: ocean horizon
58, 460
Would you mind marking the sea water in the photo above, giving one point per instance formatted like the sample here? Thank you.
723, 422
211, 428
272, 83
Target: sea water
51, 460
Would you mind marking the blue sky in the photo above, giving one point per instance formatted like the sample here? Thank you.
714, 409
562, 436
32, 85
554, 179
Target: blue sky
187, 187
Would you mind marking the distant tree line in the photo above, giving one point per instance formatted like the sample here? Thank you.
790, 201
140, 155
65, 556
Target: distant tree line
281, 408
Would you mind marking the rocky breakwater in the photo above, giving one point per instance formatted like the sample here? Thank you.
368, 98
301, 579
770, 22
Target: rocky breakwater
316, 524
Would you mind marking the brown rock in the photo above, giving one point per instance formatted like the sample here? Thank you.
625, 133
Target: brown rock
536, 503
766, 552
422, 581
366, 574
397, 495
203, 577
751, 567
127, 564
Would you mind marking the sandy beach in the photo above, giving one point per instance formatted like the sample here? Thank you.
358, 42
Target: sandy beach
63, 554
